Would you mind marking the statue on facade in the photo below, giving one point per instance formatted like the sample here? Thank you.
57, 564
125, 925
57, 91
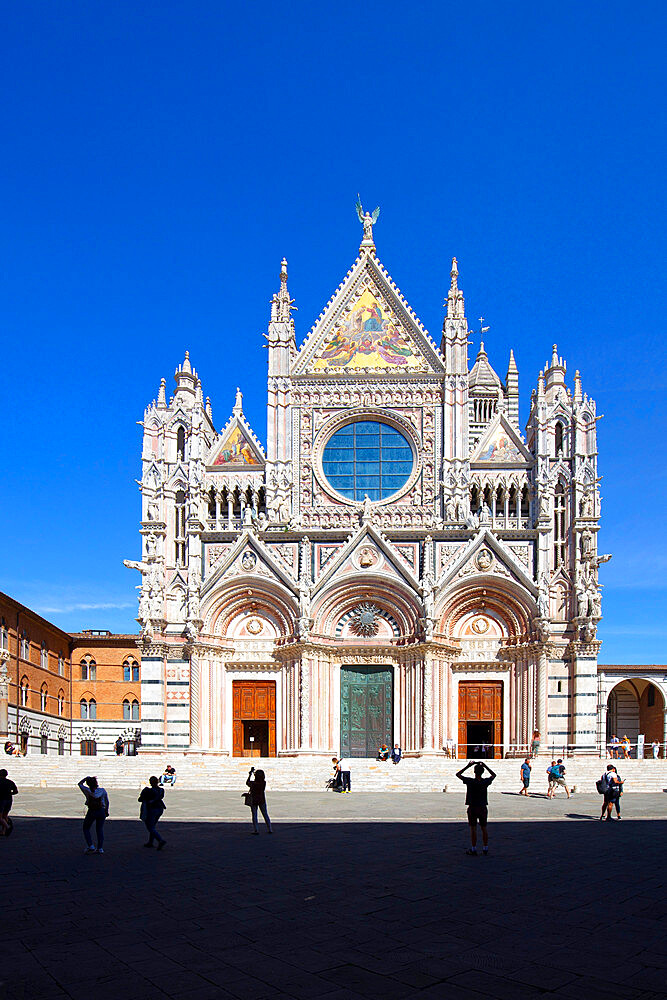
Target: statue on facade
368, 220
543, 597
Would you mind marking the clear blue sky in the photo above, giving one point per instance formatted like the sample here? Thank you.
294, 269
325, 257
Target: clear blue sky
160, 158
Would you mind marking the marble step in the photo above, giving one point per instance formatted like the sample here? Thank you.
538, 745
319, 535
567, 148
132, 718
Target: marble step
294, 774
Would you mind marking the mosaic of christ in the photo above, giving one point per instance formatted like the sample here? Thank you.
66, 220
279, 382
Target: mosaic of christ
368, 339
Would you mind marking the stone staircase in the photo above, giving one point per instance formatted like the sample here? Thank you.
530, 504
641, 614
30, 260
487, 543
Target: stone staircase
198, 771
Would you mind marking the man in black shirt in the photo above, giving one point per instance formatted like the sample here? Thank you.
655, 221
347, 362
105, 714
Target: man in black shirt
7, 790
477, 803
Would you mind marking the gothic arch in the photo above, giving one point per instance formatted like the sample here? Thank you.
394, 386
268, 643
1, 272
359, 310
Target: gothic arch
507, 603
396, 604
265, 598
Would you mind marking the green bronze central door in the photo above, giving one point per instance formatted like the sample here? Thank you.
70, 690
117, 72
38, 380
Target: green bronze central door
366, 710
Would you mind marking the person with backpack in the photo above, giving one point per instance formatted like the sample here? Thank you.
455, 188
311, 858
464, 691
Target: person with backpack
611, 786
551, 773
97, 810
558, 778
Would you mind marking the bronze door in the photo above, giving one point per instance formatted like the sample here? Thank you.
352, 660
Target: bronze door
366, 710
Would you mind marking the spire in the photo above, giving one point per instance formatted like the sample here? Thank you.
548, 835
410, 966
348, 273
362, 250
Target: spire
555, 372
482, 375
455, 304
577, 387
209, 411
199, 395
285, 303
162, 395
512, 390
186, 381
238, 403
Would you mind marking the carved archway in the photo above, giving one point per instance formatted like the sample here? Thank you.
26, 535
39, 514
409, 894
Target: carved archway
396, 610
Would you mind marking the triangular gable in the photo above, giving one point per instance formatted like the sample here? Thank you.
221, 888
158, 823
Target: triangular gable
237, 447
500, 445
485, 555
367, 551
368, 326
249, 557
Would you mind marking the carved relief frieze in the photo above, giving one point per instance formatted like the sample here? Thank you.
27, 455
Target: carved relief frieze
446, 553
214, 554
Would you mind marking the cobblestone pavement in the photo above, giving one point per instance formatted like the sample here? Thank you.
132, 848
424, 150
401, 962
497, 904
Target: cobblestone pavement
563, 907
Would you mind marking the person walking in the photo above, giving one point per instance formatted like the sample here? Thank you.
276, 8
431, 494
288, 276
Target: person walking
97, 810
558, 779
152, 807
7, 792
343, 768
477, 803
612, 783
655, 746
535, 743
525, 776
257, 786
551, 777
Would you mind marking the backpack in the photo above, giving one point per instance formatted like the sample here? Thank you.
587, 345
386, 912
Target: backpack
602, 784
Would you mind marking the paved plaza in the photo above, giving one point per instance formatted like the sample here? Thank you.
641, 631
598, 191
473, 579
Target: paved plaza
353, 896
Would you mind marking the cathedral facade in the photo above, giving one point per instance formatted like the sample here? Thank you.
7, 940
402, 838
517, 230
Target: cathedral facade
401, 563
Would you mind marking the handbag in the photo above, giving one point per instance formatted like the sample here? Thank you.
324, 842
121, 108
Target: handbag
247, 798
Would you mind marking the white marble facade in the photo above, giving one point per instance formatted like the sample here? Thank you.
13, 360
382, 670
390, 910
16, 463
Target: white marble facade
260, 563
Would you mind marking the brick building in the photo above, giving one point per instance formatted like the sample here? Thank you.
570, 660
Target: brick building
62, 693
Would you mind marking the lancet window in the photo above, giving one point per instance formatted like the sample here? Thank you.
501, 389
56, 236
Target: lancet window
180, 538
88, 669
180, 444
560, 505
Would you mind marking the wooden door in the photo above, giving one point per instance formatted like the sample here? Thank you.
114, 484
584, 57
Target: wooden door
366, 710
481, 702
253, 701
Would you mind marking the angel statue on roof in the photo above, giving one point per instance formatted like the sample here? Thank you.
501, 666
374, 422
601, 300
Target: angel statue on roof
368, 220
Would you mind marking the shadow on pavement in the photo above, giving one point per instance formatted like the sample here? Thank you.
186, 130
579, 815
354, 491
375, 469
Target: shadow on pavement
346, 910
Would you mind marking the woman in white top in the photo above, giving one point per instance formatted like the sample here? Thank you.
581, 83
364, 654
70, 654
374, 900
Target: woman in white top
97, 810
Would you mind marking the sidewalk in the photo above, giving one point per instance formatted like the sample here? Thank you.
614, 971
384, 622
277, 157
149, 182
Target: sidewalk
330, 807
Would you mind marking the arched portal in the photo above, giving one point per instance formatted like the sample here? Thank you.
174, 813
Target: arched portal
635, 706
493, 692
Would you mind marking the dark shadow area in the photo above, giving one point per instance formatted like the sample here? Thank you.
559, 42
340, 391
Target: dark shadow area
344, 910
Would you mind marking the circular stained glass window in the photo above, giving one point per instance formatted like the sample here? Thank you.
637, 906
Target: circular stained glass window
367, 457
